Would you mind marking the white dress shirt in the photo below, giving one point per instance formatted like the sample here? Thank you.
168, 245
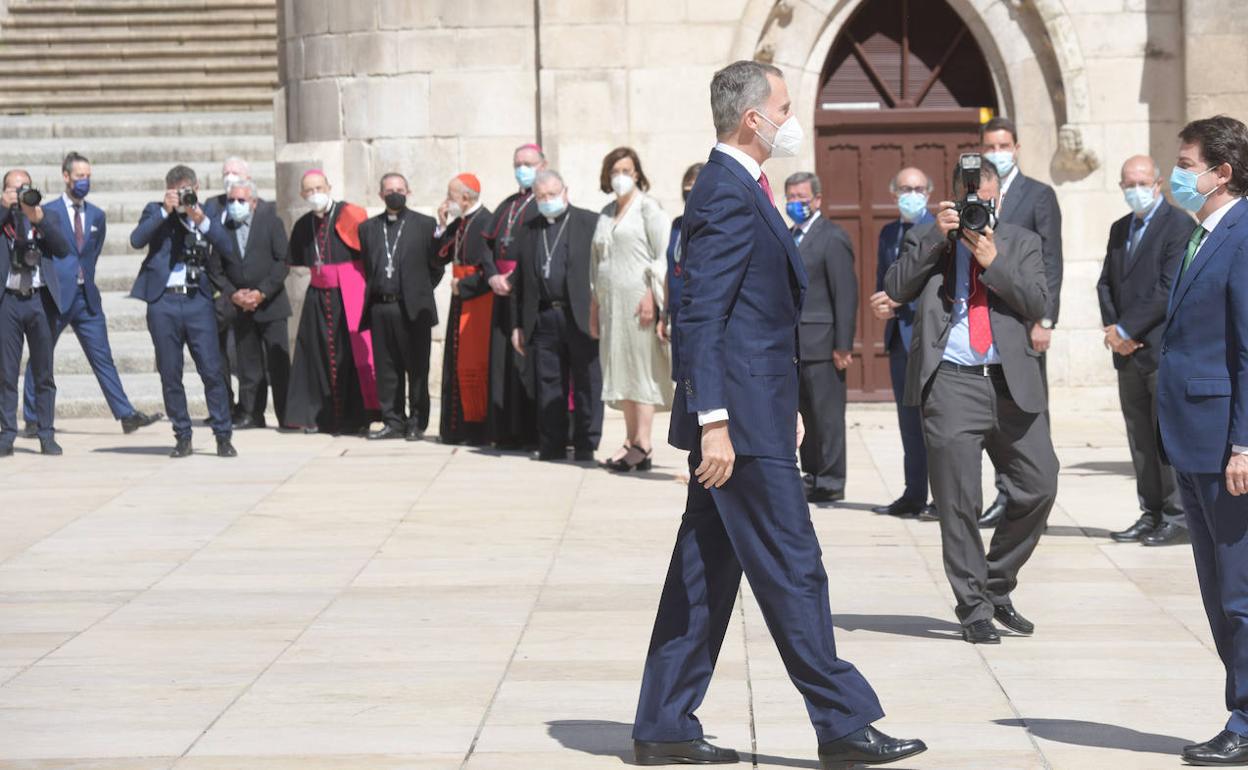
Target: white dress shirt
1005, 187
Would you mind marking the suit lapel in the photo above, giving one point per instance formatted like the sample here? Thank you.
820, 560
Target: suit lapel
768, 210
1131, 258
1213, 242
1015, 198
68, 224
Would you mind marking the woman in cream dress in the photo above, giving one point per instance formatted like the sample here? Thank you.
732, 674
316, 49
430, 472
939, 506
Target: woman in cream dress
627, 270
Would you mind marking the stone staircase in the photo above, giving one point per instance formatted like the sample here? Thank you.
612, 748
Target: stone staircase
136, 86
154, 55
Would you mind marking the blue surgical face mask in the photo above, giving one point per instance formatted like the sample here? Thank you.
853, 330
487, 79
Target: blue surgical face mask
1140, 198
525, 175
799, 211
239, 211
911, 205
1183, 188
80, 188
552, 207
1003, 160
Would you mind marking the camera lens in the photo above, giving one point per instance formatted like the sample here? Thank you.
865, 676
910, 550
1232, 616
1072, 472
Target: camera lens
975, 217
30, 196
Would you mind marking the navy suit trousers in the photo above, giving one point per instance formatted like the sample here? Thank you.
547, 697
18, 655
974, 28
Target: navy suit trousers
26, 319
92, 332
175, 320
910, 421
1218, 523
758, 523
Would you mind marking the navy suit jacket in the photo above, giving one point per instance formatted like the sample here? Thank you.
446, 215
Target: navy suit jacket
739, 313
1202, 383
889, 250
94, 229
51, 241
163, 237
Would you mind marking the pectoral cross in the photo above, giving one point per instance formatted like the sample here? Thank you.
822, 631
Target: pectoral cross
389, 271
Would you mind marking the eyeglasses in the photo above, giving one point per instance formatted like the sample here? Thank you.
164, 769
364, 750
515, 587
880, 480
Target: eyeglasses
903, 190
239, 200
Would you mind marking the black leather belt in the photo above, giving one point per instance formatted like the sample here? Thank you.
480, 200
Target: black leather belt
981, 370
386, 298
189, 291
22, 293
544, 305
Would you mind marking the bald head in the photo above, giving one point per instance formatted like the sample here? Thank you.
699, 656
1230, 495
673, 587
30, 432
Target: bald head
910, 179
1138, 170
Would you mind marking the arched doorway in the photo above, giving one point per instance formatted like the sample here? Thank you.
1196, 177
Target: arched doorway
905, 84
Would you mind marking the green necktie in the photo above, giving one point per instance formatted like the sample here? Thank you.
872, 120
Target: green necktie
1193, 244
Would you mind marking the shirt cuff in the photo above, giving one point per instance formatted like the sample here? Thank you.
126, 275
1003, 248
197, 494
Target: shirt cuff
1239, 450
1122, 332
712, 415
438, 230
204, 225
164, 213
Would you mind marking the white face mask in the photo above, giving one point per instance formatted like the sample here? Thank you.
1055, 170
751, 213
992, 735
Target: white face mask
622, 184
787, 141
319, 202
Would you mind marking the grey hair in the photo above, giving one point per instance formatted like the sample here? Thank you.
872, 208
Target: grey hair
802, 177
892, 183
247, 185
547, 175
738, 88
234, 160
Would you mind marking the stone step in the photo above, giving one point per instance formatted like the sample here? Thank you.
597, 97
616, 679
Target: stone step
123, 209
70, 73
181, 33
88, 18
87, 87
132, 352
156, 54
124, 314
128, 150
157, 101
78, 395
144, 127
43, 7
141, 180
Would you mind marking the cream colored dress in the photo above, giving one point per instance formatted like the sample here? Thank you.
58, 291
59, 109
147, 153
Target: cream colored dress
629, 257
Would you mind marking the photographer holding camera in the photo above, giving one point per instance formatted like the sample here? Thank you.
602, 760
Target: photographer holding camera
980, 284
28, 306
173, 281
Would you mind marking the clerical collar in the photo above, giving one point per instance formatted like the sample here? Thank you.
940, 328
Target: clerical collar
473, 210
390, 217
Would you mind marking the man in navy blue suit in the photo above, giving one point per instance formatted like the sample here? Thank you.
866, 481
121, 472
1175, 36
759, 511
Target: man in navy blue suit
83, 224
1202, 400
911, 188
28, 306
173, 281
736, 410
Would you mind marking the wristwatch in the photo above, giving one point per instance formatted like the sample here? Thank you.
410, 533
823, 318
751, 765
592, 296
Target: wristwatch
1046, 323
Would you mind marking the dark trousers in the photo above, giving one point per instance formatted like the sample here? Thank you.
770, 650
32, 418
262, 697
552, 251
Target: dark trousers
1218, 523
263, 352
227, 314
821, 399
910, 422
177, 320
964, 415
26, 320
91, 329
561, 350
401, 350
1003, 495
757, 524
1155, 482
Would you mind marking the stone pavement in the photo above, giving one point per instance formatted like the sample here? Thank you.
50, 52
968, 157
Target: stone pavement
325, 603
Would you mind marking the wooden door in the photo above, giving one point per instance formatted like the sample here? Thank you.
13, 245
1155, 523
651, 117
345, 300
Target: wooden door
904, 85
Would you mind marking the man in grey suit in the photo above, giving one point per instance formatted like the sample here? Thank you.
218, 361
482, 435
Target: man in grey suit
976, 377
825, 336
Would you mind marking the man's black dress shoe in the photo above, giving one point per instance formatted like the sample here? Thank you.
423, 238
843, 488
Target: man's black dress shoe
696, 752
900, 507
1227, 749
867, 746
31, 430
247, 422
1144, 525
583, 455
552, 457
139, 420
1166, 534
225, 448
825, 496
384, 433
929, 513
1006, 615
415, 433
48, 446
991, 517
981, 632
182, 449
6, 450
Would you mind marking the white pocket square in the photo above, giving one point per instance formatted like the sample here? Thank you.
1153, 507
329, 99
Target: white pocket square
94, 229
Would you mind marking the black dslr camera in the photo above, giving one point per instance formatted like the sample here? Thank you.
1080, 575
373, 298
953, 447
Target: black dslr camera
25, 254
974, 213
194, 255
187, 197
29, 196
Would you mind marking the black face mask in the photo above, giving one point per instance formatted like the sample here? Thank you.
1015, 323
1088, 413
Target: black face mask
395, 201
685, 195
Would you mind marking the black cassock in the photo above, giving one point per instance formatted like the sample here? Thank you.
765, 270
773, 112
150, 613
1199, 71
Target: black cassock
463, 246
512, 421
325, 389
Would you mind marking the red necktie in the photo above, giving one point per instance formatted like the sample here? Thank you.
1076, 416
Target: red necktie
977, 312
763, 183
79, 236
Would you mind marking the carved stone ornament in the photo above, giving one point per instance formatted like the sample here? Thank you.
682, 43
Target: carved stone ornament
1072, 157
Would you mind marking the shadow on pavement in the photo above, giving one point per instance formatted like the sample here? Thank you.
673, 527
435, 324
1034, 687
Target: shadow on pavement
603, 738
135, 450
918, 626
1097, 734
1102, 468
